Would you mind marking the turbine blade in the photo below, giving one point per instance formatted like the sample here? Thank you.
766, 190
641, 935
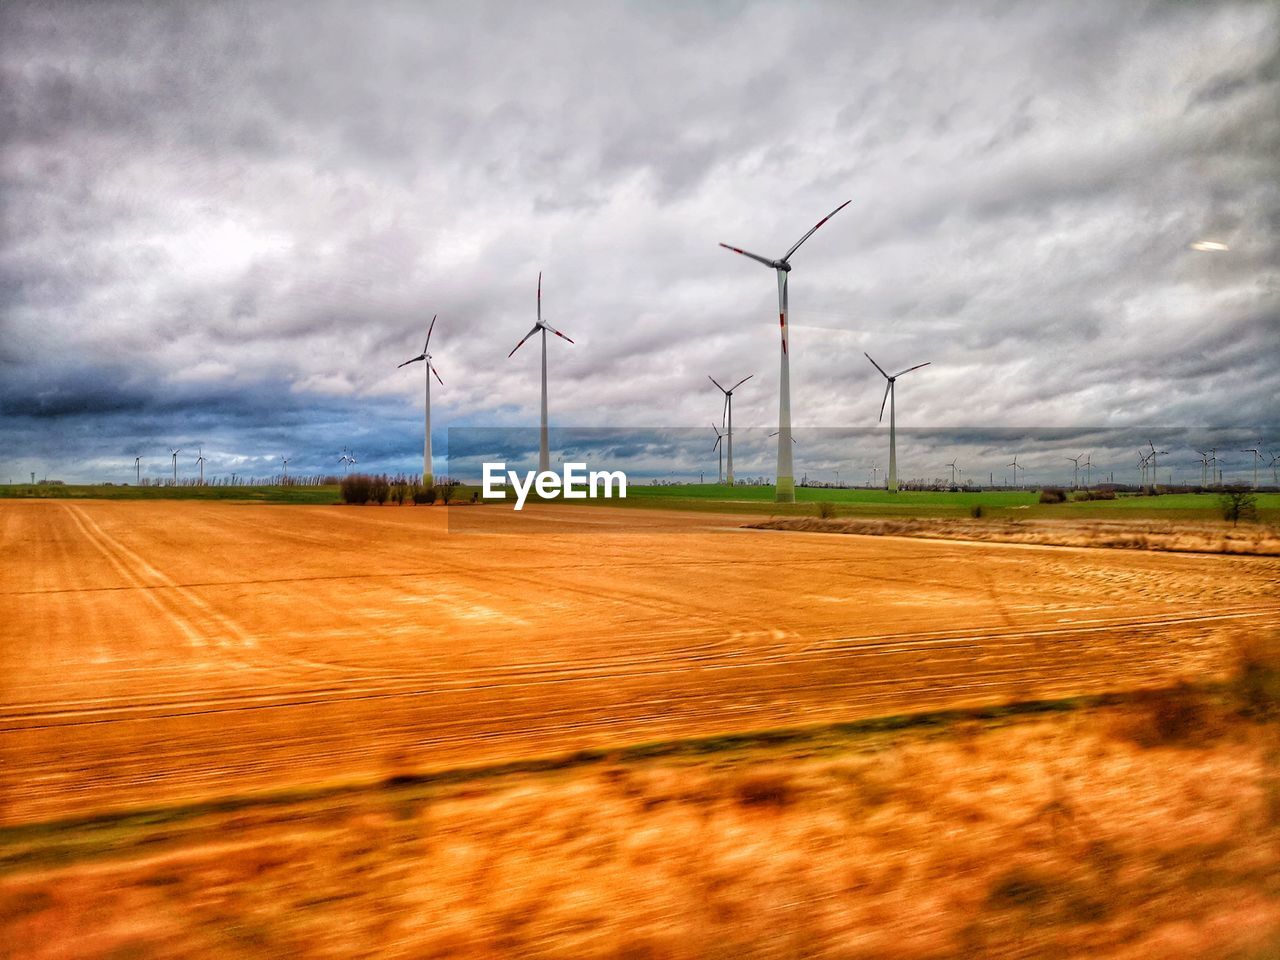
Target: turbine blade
433, 370
876, 365
407, 362
724, 412
754, 256
429, 329
887, 387
717, 383
557, 332
717, 443
539, 296
741, 382
788, 254
536, 328
916, 367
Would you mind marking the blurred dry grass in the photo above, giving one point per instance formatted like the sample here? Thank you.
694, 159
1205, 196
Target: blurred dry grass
1184, 536
1150, 829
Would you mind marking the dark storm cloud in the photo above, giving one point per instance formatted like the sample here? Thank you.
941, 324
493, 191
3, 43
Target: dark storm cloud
240, 217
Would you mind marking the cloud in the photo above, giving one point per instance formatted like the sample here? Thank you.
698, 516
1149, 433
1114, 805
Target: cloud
209, 222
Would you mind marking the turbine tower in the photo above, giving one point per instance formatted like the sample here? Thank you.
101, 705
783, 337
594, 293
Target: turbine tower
1088, 469
1155, 478
952, 465
1257, 455
889, 397
174, 453
726, 417
1075, 477
717, 446
428, 478
200, 458
786, 482
137, 470
544, 453
1016, 467
1204, 466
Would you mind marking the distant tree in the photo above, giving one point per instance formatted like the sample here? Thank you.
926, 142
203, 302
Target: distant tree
1238, 504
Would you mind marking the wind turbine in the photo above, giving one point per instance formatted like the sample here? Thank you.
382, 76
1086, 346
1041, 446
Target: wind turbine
544, 453
1204, 466
726, 417
427, 477
889, 396
1155, 477
346, 459
1257, 455
1016, 467
1272, 465
284, 466
200, 458
1075, 479
174, 454
952, 465
1088, 469
137, 470
786, 482
1143, 460
717, 446
875, 473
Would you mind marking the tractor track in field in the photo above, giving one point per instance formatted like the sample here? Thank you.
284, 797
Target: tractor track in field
835, 652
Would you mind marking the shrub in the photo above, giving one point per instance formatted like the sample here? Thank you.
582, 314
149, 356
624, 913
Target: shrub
445, 493
1053, 495
764, 789
379, 489
1257, 681
826, 510
976, 511
1238, 504
398, 494
1178, 715
355, 488
425, 495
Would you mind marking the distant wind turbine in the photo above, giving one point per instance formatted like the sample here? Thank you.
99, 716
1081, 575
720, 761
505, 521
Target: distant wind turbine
200, 458
544, 452
428, 477
952, 465
1155, 478
137, 470
786, 483
726, 417
1274, 459
1016, 467
1088, 467
889, 397
174, 453
1075, 477
346, 459
718, 446
284, 466
1257, 455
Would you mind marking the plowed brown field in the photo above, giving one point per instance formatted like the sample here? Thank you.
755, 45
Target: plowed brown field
166, 651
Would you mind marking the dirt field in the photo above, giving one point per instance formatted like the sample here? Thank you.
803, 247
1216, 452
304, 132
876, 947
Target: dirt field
161, 652
1178, 536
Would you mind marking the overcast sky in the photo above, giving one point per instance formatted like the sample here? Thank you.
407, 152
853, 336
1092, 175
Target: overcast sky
226, 224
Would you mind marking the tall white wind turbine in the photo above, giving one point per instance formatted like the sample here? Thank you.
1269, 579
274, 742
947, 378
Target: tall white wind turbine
952, 465
284, 467
1016, 467
428, 478
718, 445
889, 397
200, 459
137, 470
1257, 455
544, 452
786, 482
174, 453
1075, 477
726, 418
